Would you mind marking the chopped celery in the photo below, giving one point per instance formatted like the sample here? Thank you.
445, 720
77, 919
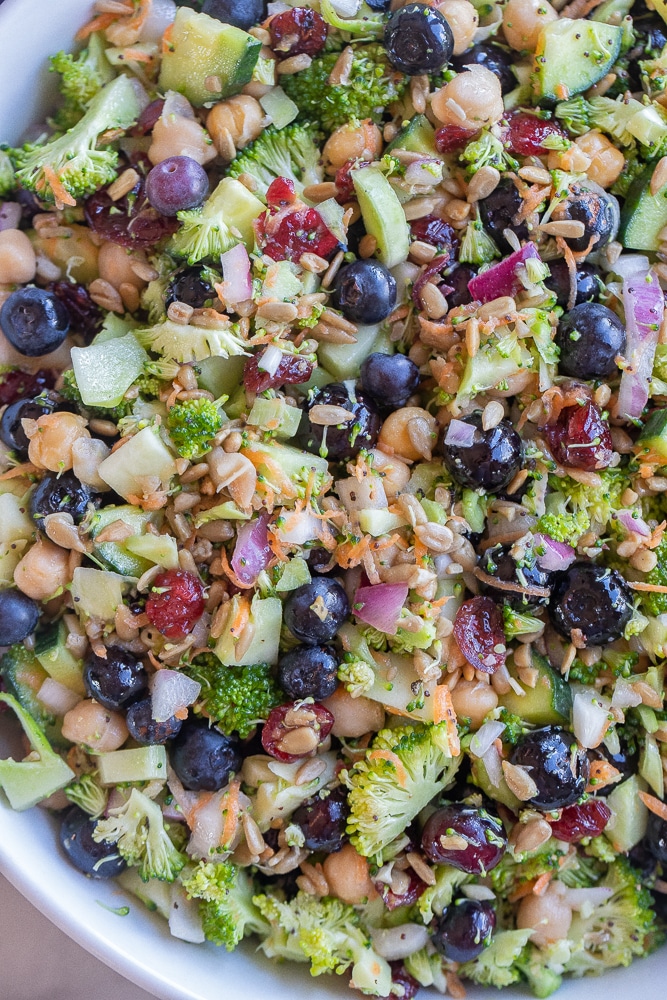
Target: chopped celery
266, 616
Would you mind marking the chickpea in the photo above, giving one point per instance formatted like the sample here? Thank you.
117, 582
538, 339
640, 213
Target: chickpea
347, 874
75, 254
463, 19
51, 444
94, 726
395, 433
523, 20
178, 135
573, 159
474, 700
43, 570
471, 100
115, 265
548, 915
18, 260
395, 474
351, 142
354, 716
87, 456
237, 121
607, 162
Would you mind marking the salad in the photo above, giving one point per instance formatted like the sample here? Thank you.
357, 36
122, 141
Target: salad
333, 473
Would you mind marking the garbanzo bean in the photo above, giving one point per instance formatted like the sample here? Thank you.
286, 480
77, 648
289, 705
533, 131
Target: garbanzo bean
394, 473
17, 258
523, 20
395, 435
353, 716
75, 254
350, 142
115, 265
347, 874
474, 700
548, 915
94, 726
607, 162
177, 135
471, 100
463, 19
43, 570
238, 119
51, 444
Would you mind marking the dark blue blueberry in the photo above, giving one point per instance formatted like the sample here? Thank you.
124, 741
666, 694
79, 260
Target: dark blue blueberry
656, 838
464, 930
309, 672
57, 494
345, 440
331, 608
588, 278
95, 860
418, 40
592, 601
34, 321
323, 821
19, 615
11, 428
457, 279
189, 286
499, 211
590, 337
492, 459
498, 61
203, 758
597, 209
498, 562
389, 379
557, 765
241, 13
144, 729
365, 292
378, 5
116, 680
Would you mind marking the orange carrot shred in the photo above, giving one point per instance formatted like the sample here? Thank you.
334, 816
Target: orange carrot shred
542, 883
523, 891
98, 23
443, 711
60, 193
27, 469
233, 808
401, 773
654, 805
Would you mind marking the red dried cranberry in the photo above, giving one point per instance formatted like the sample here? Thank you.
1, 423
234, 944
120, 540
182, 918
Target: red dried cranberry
436, 232
296, 31
586, 820
298, 232
580, 438
16, 384
291, 370
479, 632
344, 184
131, 221
526, 134
452, 137
275, 730
408, 985
281, 193
414, 890
84, 315
176, 603
148, 119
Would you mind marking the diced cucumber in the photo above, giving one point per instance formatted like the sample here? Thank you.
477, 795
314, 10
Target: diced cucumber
345, 360
238, 208
644, 215
116, 555
295, 574
653, 436
275, 415
501, 794
23, 678
145, 456
572, 55
96, 592
161, 550
629, 815
424, 477
275, 461
281, 282
27, 782
280, 108
650, 765
396, 682
548, 703
59, 662
380, 522
474, 509
418, 136
332, 214
140, 764
15, 521
613, 11
205, 59
227, 511
266, 616
104, 372
649, 125
221, 376
383, 215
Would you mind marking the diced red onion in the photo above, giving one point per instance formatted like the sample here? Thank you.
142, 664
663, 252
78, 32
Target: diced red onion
270, 359
557, 555
423, 172
380, 605
632, 523
185, 917
644, 304
171, 692
160, 15
592, 896
460, 434
57, 698
485, 736
252, 552
590, 718
624, 695
503, 278
237, 284
10, 215
493, 765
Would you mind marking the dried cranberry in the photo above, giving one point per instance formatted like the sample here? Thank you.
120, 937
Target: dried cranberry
84, 315
526, 134
176, 603
131, 221
479, 632
578, 821
281, 193
296, 233
279, 738
148, 119
580, 437
408, 985
436, 232
296, 31
344, 184
292, 370
452, 137
414, 890
16, 384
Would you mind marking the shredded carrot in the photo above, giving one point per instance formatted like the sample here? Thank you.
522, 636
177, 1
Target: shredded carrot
532, 199
420, 551
166, 39
232, 811
154, 660
443, 711
523, 891
99, 23
181, 713
229, 572
27, 469
653, 588
602, 773
136, 55
350, 554
203, 800
60, 193
655, 805
401, 773
542, 883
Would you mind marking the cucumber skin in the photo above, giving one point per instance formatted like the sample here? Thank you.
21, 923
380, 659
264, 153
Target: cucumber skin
578, 54
654, 434
536, 706
643, 214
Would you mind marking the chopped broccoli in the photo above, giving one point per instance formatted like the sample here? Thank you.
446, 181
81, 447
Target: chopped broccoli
290, 152
88, 795
654, 603
7, 176
436, 898
515, 623
70, 390
326, 933
487, 151
357, 675
535, 969
370, 24
27, 782
236, 698
71, 166
572, 507
477, 247
514, 726
426, 967
82, 77
580, 871
184, 343
193, 424
575, 115
224, 220
372, 84
404, 641
23, 676
495, 966
511, 873
137, 828
619, 662
403, 770
227, 910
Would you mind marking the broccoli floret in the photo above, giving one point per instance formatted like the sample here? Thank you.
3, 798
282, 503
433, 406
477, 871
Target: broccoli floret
236, 698
326, 933
436, 898
403, 770
514, 726
185, 343
571, 507
82, 77
71, 166
290, 152
27, 782
403, 641
581, 871
487, 151
357, 675
619, 662
515, 623
426, 967
575, 115
227, 910
137, 828
205, 232
372, 84
654, 603
193, 424
512, 873
23, 676
477, 247
88, 795
495, 966
534, 968
7, 176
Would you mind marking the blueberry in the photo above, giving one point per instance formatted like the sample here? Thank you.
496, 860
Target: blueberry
365, 292
418, 40
592, 600
457, 278
597, 209
345, 440
56, 494
380, 5
176, 184
557, 765
203, 758
588, 281
309, 672
464, 930
188, 285
492, 459
19, 615
323, 821
95, 860
241, 13
318, 625
389, 379
498, 212
498, 61
144, 729
590, 337
480, 829
12, 433
499, 563
656, 838
34, 321
116, 680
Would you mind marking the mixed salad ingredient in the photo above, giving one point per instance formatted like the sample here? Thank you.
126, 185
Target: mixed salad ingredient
332, 487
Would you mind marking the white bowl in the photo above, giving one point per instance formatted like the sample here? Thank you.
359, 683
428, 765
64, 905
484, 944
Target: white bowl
139, 945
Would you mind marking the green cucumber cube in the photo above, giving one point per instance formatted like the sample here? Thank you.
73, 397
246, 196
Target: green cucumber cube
141, 764
104, 372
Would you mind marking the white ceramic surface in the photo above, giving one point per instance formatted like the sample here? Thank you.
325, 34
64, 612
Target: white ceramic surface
138, 945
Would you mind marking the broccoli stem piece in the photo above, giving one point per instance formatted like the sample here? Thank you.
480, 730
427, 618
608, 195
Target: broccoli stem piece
27, 782
7, 176
227, 909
